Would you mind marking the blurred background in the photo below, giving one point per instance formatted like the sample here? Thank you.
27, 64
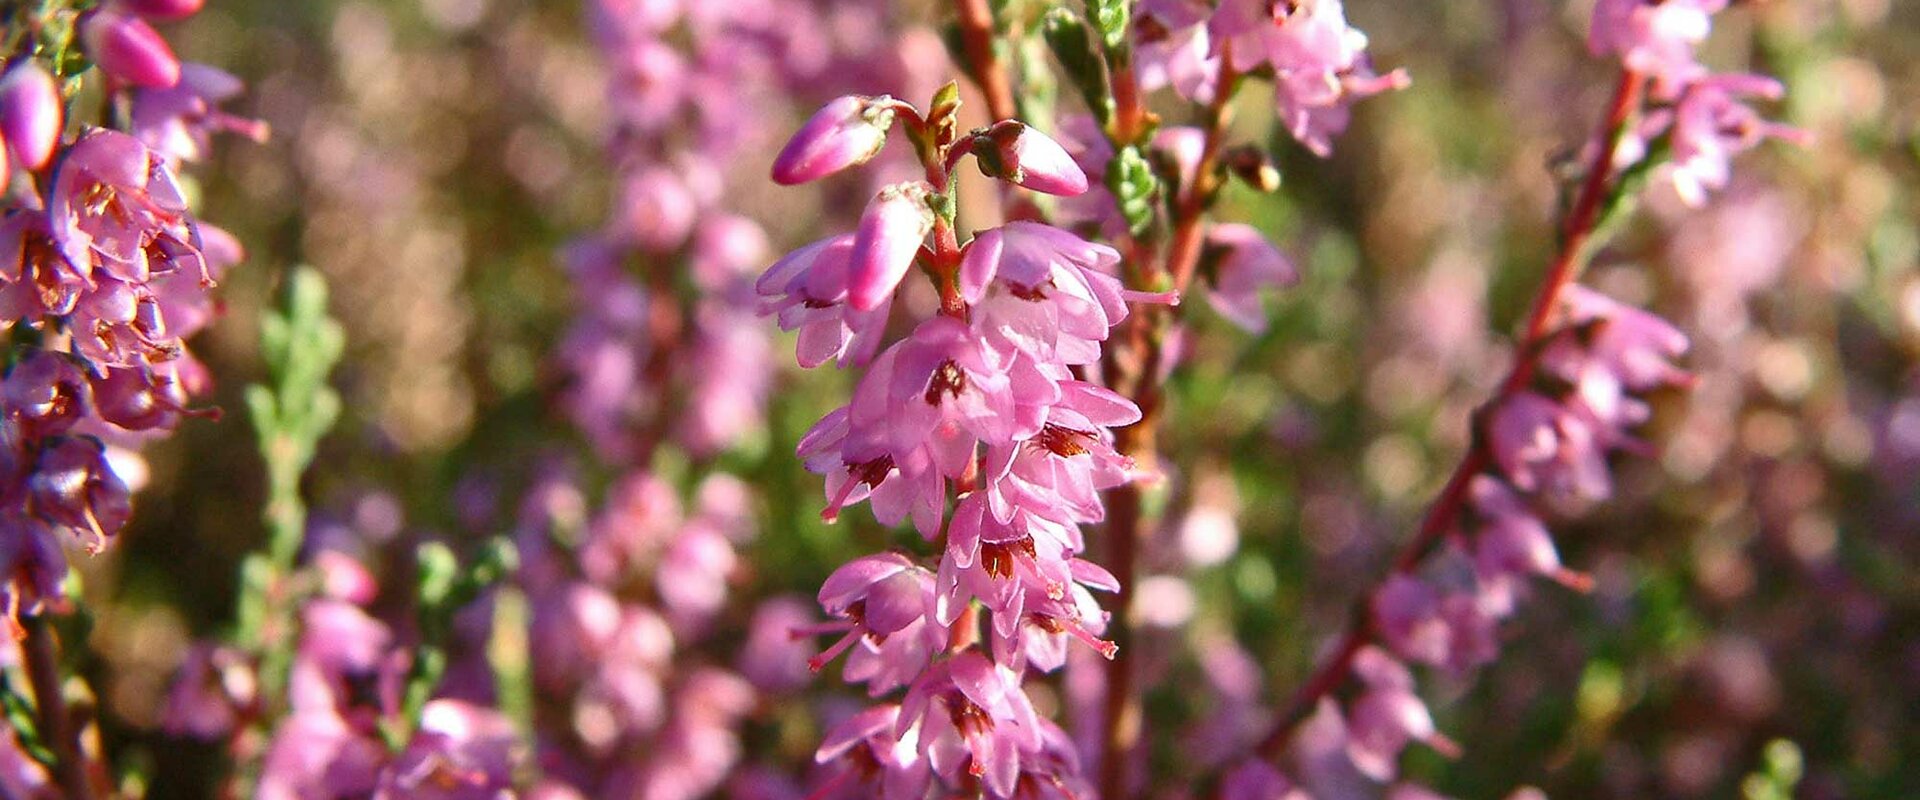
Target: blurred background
1755, 580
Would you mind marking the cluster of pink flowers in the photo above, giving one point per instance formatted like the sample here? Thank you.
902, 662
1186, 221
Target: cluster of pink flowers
104, 275
1702, 115
624, 597
1549, 444
1239, 264
637, 356
631, 718
1318, 62
1547, 440
344, 700
978, 405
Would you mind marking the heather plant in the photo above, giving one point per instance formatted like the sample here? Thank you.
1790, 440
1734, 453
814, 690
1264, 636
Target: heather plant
1210, 399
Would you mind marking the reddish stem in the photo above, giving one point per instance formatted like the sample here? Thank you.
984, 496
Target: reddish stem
976, 35
1183, 255
1133, 362
1446, 509
41, 654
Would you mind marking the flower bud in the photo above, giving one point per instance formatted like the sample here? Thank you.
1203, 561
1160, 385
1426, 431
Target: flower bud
843, 133
888, 239
162, 9
129, 49
30, 113
74, 487
45, 394
1254, 168
1015, 152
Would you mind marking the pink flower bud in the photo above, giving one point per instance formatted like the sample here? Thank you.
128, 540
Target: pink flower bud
1015, 152
129, 49
30, 113
163, 9
890, 233
843, 133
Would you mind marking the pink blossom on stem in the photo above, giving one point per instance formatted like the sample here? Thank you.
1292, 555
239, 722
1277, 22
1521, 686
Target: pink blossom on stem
887, 242
1711, 125
129, 49
846, 132
179, 121
1173, 47
1654, 37
1026, 157
1240, 264
30, 113
807, 292
1319, 62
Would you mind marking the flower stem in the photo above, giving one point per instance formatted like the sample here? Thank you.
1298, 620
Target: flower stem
1446, 509
1135, 365
1183, 255
41, 654
982, 62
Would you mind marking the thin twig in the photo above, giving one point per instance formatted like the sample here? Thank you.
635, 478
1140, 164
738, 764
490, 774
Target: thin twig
1137, 353
1446, 510
41, 654
976, 35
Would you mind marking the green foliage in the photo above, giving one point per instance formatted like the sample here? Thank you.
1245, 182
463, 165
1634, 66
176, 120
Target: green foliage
1067, 36
445, 587
1780, 771
1110, 20
290, 413
1130, 177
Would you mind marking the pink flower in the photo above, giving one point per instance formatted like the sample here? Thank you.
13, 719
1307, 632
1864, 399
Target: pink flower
998, 563
1387, 716
162, 9
144, 398
971, 715
129, 49
317, 754
30, 113
866, 742
1172, 47
946, 374
807, 290
39, 281
1711, 125
346, 665
180, 120
884, 600
1044, 291
45, 394
1241, 263
1319, 62
1654, 37
73, 486
214, 685
1511, 541
115, 203
846, 132
1017, 153
1256, 779
1059, 471
888, 240
34, 566
460, 752
1543, 447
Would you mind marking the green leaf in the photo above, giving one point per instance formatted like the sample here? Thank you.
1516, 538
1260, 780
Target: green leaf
1110, 18
1130, 177
1072, 45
